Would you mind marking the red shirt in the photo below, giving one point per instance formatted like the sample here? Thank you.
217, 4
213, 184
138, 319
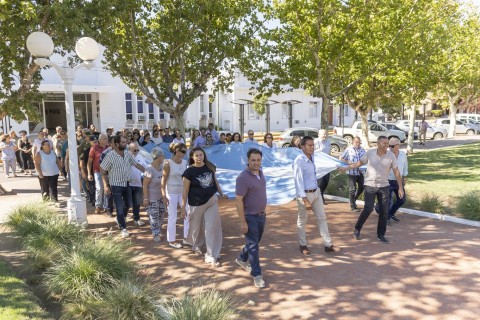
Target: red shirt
95, 154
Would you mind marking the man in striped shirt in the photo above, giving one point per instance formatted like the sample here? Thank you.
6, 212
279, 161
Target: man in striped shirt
355, 177
118, 164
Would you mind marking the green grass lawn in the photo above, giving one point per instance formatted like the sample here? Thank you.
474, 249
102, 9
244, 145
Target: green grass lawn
16, 301
447, 173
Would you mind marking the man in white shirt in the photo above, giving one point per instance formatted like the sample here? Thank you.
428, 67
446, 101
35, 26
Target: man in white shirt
250, 137
309, 197
136, 186
402, 165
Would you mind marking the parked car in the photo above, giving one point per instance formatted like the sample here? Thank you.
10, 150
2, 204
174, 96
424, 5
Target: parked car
375, 130
337, 143
393, 126
460, 128
433, 132
473, 123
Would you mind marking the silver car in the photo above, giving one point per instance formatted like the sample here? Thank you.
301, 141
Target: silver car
459, 126
337, 143
433, 132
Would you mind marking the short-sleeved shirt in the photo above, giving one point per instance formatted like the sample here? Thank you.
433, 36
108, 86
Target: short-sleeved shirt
202, 185
95, 154
353, 155
155, 185
167, 138
119, 168
253, 189
378, 167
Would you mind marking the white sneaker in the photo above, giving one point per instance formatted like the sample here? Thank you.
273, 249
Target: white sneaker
259, 282
175, 245
245, 266
125, 233
139, 223
198, 251
214, 262
185, 243
157, 238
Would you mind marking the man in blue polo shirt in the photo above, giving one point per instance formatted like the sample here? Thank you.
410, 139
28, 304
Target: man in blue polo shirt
251, 197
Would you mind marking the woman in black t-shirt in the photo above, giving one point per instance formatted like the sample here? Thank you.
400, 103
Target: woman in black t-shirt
199, 188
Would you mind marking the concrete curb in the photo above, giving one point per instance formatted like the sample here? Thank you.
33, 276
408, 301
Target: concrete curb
419, 213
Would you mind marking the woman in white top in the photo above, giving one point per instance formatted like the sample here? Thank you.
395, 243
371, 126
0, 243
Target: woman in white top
178, 137
48, 167
152, 193
8, 148
172, 188
268, 142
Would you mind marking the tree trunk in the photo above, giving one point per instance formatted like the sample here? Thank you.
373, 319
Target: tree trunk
180, 121
364, 135
324, 114
411, 129
453, 113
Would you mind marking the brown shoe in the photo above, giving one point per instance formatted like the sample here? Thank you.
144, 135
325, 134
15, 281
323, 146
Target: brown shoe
304, 250
332, 248
98, 210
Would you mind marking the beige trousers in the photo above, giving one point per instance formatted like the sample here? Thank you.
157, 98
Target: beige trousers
315, 199
206, 227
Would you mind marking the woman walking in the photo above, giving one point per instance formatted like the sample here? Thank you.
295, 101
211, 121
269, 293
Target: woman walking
199, 188
25, 148
8, 149
48, 168
152, 193
172, 188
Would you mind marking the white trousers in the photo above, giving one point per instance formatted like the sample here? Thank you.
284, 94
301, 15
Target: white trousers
315, 199
175, 201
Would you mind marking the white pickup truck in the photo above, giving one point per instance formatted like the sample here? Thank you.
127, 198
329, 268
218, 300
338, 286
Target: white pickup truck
375, 130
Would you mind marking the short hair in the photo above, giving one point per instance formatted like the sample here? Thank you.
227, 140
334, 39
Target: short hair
157, 152
110, 139
222, 134
22, 131
117, 139
381, 138
254, 151
58, 127
268, 134
174, 147
305, 139
102, 136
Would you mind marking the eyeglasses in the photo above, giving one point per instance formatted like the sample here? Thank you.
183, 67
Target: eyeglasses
269, 137
250, 134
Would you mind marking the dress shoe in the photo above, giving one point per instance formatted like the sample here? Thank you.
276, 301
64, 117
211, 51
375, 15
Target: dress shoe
304, 250
383, 239
356, 234
332, 248
395, 219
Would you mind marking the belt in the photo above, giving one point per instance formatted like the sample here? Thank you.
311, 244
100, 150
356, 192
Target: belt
311, 191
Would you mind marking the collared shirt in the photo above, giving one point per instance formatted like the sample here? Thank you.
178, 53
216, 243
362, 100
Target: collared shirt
323, 146
304, 174
378, 167
253, 140
253, 189
214, 133
402, 164
353, 155
118, 167
199, 141
167, 138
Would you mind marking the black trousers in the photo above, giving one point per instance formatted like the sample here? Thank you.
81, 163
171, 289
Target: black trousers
355, 188
49, 188
27, 161
323, 183
19, 159
382, 194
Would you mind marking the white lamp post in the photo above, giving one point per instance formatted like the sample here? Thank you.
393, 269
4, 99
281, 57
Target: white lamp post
40, 46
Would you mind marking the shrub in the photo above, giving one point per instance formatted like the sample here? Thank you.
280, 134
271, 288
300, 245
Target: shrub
90, 269
431, 203
208, 304
338, 185
468, 206
437, 113
28, 219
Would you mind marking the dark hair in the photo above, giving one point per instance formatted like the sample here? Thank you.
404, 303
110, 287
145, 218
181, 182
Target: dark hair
210, 165
44, 142
117, 139
222, 134
266, 135
254, 151
381, 138
174, 147
239, 137
305, 139
110, 139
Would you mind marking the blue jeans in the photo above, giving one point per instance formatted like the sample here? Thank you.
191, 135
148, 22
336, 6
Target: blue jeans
98, 190
370, 193
256, 225
120, 198
135, 200
394, 206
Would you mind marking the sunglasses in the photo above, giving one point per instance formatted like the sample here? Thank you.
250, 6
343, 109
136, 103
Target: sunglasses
183, 150
250, 134
136, 150
393, 146
269, 137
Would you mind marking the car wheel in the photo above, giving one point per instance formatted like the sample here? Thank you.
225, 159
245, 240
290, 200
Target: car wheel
334, 148
470, 132
286, 145
438, 136
349, 139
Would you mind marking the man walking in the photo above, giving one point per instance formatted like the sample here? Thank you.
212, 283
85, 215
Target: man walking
355, 177
251, 197
379, 163
309, 197
423, 127
94, 165
136, 185
118, 164
402, 165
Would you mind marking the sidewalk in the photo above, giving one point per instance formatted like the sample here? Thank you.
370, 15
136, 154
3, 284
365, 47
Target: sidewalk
430, 270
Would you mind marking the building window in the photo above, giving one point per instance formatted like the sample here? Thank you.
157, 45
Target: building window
313, 109
151, 115
210, 106
202, 104
345, 110
128, 106
162, 114
252, 115
140, 106
285, 110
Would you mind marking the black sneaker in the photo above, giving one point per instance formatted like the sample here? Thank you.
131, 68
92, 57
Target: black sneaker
356, 234
383, 239
395, 219
304, 250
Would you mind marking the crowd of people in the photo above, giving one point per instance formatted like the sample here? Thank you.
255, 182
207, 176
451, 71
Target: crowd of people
115, 176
